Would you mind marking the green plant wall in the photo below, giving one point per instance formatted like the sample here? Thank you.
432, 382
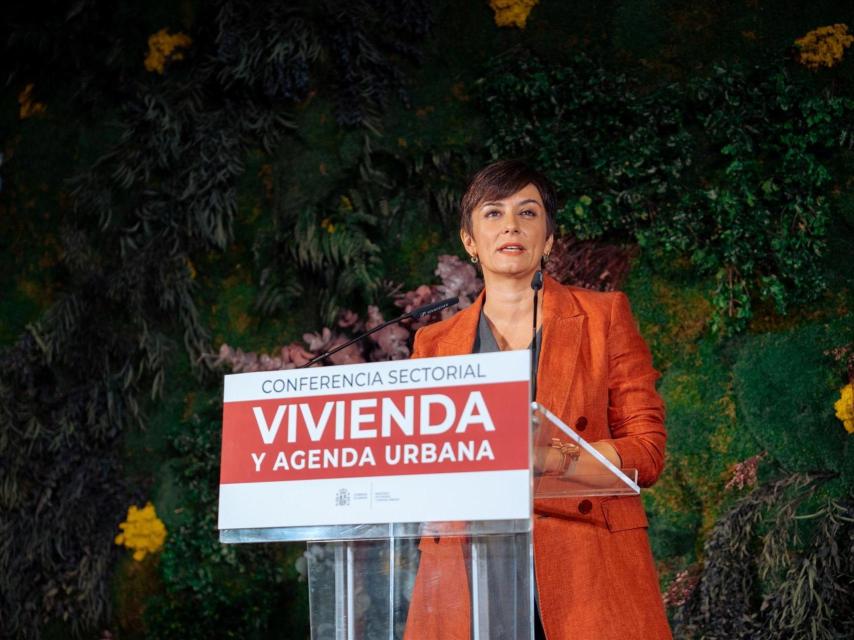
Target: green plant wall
287, 162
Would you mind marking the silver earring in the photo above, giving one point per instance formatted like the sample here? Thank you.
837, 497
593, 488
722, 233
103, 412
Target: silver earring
474, 259
545, 258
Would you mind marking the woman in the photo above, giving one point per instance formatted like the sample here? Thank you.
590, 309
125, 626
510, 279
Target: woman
595, 577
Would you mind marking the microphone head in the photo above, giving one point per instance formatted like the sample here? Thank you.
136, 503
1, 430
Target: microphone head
433, 307
537, 281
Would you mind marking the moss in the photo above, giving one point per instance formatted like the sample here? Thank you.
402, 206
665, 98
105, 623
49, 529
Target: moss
704, 442
785, 388
766, 319
671, 308
134, 584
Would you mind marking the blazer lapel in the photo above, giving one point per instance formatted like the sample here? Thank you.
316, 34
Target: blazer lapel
563, 329
460, 337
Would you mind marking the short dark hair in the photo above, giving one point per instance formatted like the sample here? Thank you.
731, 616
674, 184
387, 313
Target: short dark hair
504, 178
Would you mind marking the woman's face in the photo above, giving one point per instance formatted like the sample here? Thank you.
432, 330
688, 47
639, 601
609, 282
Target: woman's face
509, 235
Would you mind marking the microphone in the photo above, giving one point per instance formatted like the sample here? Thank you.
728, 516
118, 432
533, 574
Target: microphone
417, 314
537, 282
427, 309
536, 285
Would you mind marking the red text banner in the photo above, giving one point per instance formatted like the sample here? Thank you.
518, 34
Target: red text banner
431, 430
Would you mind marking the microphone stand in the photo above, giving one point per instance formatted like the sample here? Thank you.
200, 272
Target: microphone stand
536, 285
414, 313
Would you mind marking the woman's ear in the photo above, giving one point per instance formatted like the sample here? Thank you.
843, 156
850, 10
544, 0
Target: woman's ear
468, 242
549, 244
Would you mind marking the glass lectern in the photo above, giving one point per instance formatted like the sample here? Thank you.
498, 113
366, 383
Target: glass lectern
373, 581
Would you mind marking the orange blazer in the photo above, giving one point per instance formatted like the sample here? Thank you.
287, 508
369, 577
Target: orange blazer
593, 566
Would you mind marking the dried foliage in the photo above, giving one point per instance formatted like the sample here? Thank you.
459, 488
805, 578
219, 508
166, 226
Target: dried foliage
341, 247
272, 47
165, 194
772, 571
744, 473
211, 590
60, 487
589, 264
458, 279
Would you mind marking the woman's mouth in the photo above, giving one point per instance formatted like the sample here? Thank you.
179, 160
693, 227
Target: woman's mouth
511, 247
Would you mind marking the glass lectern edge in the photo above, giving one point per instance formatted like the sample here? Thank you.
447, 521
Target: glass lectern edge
381, 531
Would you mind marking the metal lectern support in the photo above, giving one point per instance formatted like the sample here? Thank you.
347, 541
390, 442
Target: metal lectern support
392, 580
479, 585
344, 615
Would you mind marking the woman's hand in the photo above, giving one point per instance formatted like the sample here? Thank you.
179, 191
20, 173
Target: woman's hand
550, 461
551, 464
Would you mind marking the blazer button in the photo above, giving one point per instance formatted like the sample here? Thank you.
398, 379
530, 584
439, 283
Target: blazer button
581, 423
585, 506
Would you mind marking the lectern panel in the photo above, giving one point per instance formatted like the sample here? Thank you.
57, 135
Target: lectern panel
432, 587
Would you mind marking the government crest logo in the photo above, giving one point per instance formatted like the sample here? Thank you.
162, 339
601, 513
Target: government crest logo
342, 498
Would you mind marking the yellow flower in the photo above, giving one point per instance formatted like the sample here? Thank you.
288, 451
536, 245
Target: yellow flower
824, 47
326, 223
29, 108
512, 12
163, 47
143, 531
845, 407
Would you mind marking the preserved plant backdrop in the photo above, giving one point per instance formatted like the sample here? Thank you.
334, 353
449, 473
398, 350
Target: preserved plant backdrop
199, 188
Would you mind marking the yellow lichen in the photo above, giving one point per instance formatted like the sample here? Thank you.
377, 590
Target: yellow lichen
509, 13
686, 312
28, 106
164, 47
845, 407
143, 531
823, 47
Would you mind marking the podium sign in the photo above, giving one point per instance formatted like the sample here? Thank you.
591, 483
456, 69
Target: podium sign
430, 440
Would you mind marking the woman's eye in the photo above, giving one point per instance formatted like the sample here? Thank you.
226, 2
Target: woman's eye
529, 213
491, 213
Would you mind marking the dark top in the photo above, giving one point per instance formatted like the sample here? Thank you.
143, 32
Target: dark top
485, 342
